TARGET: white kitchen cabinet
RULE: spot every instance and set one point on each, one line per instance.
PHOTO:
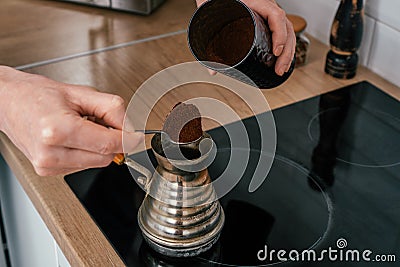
(29, 241)
(3, 262)
(61, 259)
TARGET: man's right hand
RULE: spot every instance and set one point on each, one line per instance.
(45, 119)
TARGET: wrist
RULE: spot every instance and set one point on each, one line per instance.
(6, 74)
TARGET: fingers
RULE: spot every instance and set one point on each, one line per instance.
(212, 72)
(58, 154)
(53, 172)
(66, 158)
(51, 131)
(285, 59)
(68, 142)
(276, 18)
(200, 2)
(107, 108)
(283, 37)
(78, 133)
(60, 160)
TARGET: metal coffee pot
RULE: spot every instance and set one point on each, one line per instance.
(180, 215)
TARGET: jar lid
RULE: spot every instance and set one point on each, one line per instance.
(299, 23)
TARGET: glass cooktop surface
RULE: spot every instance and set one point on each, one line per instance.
(331, 198)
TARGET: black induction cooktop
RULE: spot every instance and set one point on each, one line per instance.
(331, 198)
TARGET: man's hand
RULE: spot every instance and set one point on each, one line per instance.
(45, 119)
(283, 36)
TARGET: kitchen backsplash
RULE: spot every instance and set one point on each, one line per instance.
(381, 40)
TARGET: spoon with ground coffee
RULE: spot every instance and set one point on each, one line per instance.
(182, 127)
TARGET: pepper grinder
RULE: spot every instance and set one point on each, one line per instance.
(345, 39)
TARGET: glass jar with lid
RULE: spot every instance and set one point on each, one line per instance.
(302, 42)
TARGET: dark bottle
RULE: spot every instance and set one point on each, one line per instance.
(345, 39)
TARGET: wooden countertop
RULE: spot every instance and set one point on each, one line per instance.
(122, 71)
(39, 30)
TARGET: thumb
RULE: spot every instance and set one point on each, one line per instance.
(108, 109)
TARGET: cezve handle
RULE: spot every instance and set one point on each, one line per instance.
(122, 159)
(119, 158)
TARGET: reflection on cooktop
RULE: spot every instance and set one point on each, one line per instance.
(336, 175)
(339, 123)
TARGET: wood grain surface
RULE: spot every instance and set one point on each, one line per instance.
(123, 71)
(37, 30)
